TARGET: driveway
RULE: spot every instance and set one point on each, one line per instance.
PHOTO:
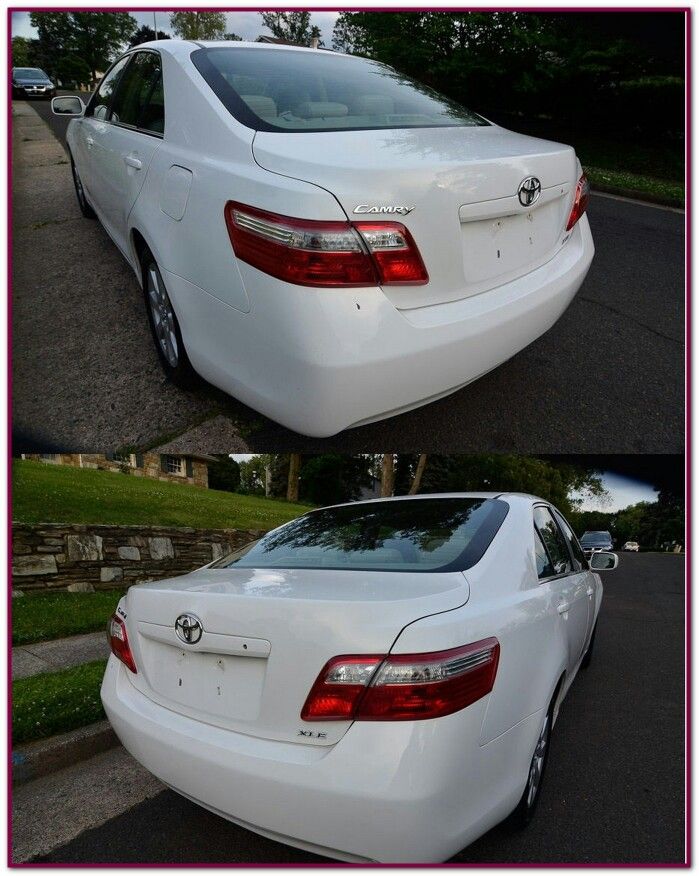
(614, 788)
(607, 378)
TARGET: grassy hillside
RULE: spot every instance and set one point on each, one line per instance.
(60, 494)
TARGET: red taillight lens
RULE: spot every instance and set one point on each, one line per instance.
(119, 642)
(580, 202)
(403, 687)
(312, 253)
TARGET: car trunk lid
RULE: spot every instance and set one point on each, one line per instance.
(266, 635)
(460, 186)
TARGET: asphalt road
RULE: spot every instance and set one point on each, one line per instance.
(607, 378)
(614, 787)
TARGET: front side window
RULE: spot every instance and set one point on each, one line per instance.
(417, 535)
(573, 543)
(280, 90)
(99, 105)
(553, 541)
(139, 100)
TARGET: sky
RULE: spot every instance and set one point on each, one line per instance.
(247, 25)
(622, 491)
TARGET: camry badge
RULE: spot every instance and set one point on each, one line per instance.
(188, 628)
(387, 208)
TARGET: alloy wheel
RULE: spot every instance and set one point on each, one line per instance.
(536, 770)
(163, 316)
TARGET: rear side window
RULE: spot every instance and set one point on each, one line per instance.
(283, 90)
(99, 106)
(553, 541)
(544, 569)
(139, 102)
(417, 535)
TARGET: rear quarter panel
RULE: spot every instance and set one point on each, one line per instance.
(508, 602)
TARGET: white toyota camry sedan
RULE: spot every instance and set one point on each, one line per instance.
(319, 236)
(372, 682)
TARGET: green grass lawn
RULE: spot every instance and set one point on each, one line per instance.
(61, 494)
(633, 185)
(56, 702)
(38, 617)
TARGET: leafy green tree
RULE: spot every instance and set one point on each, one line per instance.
(199, 25)
(232, 37)
(95, 37)
(146, 34)
(71, 69)
(20, 52)
(331, 478)
(292, 26)
(224, 474)
(252, 476)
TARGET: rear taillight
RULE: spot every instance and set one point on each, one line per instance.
(308, 252)
(402, 687)
(119, 642)
(580, 202)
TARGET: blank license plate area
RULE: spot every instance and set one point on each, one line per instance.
(503, 245)
(221, 685)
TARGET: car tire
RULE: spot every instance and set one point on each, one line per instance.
(525, 809)
(164, 325)
(85, 208)
(587, 659)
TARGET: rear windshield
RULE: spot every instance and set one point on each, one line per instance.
(275, 90)
(420, 535)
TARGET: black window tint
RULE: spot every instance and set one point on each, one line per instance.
(99, 107)
(554, 541)
(544, 569)
(573, 543)
(139, 100)
(419, 535)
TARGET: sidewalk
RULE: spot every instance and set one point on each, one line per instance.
(58, 654)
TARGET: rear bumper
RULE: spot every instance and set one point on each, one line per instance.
(402, 792)
(320, 361)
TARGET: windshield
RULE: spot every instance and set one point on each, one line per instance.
(29, 73)
(596, 536)
(418, 535)
(276, 90)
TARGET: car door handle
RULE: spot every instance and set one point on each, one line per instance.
(590, 591)
(133, 162)
(563, 607)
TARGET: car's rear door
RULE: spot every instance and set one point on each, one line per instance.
(132, 135)
(567, 580)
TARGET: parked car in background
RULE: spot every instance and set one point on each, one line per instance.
(31, 82)
(320, 236)
(596, 541)
(371, 682)
(631, 546)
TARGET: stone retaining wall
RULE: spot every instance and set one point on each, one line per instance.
(55, 556)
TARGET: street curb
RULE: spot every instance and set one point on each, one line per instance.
(642, 197)
(49, 755)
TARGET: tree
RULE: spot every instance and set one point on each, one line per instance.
(419, 471)
(72, 69)
(232, 37)
(199, 25)
(316, 34)
(332, 478)
(94, 37)
(292, 490)
(224, 474)
(292, 26)
(387, 475)
(146, 34)
(20, 52)
(252, 476)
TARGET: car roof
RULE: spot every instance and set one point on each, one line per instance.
(456, 495)
(182, 47)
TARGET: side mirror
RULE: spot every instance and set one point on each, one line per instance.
(603, 561)
(67, 106)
